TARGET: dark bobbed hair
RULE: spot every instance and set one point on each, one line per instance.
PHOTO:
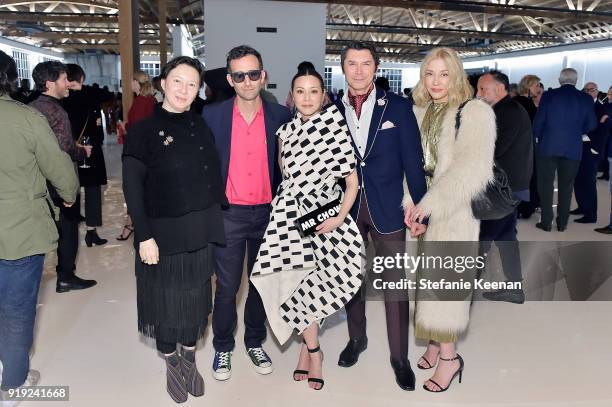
(308, 72)
(305, 65)
(500, 77)
(8, 74)
(47, 71)
(75, 73)
(359, 45)
(240, 52)
(192, 62)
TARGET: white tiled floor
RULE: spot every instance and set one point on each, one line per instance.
(537, 354)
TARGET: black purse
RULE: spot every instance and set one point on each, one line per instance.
(497, 200)
(307, 224)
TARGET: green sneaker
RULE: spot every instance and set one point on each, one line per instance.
(261, 361)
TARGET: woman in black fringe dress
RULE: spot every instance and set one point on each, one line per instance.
(173, 189)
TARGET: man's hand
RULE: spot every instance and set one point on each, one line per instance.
(68, 204)
(149, 252)
(603, 119)
(407, 212)
(99, 122)
(416, 214)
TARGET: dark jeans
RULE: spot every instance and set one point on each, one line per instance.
(67, 246)
(93, 206)
(396, 310)
(244, 230)
(585, 185)
(566, 171)
(503, 233)
(19, 283)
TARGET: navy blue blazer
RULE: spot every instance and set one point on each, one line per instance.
(564, 115)
(218, 116)
(390, 155)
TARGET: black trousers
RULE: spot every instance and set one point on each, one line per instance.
(67, 245)
(566, 171)
(244, 230)
(585, 185)
(167, 348)
(93, 206)
(527, 208)
(396, 310)
(503, 233)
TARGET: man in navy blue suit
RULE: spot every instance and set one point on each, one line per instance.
(593, 148)
(387, 143)
(564, 116)
(244, 128)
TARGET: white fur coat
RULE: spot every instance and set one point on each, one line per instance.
(463, 169)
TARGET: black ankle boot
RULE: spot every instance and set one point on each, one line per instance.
(92, 238)
(193, 379)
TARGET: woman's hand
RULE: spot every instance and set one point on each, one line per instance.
(329, 225)
(149, 252)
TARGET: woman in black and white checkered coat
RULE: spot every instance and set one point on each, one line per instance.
(304, 279)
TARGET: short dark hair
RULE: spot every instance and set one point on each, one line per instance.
(74, 72)
(500, 77)
(47, 71)
(359, 45)
(305, 72)
(192, 62)
(382, 83)
(8, 74)
(240, 52)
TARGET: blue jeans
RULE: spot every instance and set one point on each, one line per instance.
(19, 284)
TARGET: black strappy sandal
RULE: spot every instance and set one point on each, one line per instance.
(123, 238)
(459, 373)
(300, 371)
(314, 379)
(429, 364)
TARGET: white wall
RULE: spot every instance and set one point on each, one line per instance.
(35, 54)
(300, 35)
(102, 69)
(181, 46)
(593, 61)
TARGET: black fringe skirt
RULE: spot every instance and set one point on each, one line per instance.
(174, 297)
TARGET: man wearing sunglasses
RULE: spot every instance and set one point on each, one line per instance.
(244, 128)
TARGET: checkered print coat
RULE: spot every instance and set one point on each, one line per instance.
(302, 280)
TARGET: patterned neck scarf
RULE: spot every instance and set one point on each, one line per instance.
(357, 101)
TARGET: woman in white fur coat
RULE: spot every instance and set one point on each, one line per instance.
(458, 170)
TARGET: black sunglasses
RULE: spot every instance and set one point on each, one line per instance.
(253, 75)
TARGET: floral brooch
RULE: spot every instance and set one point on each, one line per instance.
(167, 139)
(381, 102)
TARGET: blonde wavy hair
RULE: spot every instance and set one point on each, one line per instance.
(459, 89)
(146, 86)
(527, 82)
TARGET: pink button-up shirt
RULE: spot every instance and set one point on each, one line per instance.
(248, 179)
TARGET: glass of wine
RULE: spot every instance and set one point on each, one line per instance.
(85, 143)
